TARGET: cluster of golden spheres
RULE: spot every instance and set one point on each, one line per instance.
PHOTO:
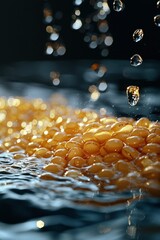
(121, 152)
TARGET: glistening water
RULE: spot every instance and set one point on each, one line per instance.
(66, 208)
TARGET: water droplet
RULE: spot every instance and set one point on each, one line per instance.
(136, 60)
(118, 5)
(138, 35)
(158, 4)
(157, 20)
(133, 95)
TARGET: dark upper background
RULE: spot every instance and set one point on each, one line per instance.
(23, 32)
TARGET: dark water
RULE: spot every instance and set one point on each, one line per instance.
(70, 209)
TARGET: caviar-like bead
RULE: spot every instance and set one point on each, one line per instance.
(91, 147)
(143, 122)
(118, 126)
(105, 173)
(73, 173)
(135, 141)
(151, 172)
(151, 148)
(123, 166)
(77, 161)
(113, 145)
(96, 167)
(153, 138)
(53, 168)
(140, 131)
(18, 156)
(61, 152)
(71, 127)
(112, 157)
(71, 144)
(59, 160)
(121, 136)
(89, 136)
(130, 153)
(60, 136)
(102, 136)
(94, 159)
(42, 152)
(47, 176)
(123, 183)
(74, 152)
(15, 149)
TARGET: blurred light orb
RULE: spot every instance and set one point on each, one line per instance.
(102, 87)
(61, 50)
(49, 50)
(77, 24)
(108, 41)
(78, 2)
(54, 36)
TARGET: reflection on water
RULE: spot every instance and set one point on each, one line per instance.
(66, 208)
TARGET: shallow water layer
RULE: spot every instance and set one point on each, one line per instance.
(65, 208)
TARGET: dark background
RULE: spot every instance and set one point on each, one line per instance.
(23, 35)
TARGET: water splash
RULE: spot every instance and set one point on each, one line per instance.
(133, 95)
(138, 35)
(136, 60)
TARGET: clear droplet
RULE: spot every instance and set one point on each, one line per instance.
(138, 35)
(136, 60)
(157, 20)
(133, 95)
(158, 4)
(118, 5)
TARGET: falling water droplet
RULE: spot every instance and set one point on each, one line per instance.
(133, 95)
(138, 35)
(118, 5)
(158, 4)
(157, 20)
(136, 60)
